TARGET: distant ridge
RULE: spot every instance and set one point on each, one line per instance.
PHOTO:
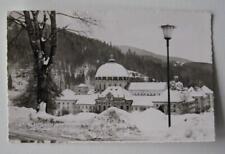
(142, 52)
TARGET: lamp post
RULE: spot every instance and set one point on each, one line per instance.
(167, 32)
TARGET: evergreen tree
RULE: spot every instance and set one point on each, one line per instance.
(10, 85)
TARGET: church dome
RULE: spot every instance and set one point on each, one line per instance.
(111, 69)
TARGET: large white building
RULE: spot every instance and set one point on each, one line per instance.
(113, 88)
(147, 88)
(111, 74)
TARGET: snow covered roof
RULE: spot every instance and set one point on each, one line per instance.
(143, 100)
(86, 99)
(175, 96)
(111, 69)
(116, 91)
(196, 92)
(82, 85)
(147, 86)
(207, 90)
(67, 94)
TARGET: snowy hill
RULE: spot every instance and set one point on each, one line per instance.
(78, 57)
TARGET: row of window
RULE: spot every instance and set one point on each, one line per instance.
(141, 108)
(146, 94)
(111, 78)
(103, 86)
(104, 107)
(80, 107)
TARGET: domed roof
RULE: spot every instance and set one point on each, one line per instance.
(111, 69)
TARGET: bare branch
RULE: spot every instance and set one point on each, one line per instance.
(43, 23)
(20, 14)
(31, 32)
(17, 21)
(53, 37)
(86, 20)
(80, 32)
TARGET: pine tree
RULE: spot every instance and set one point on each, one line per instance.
(10, 85)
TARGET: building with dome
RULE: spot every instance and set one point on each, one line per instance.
(114, 87)
(111, 74)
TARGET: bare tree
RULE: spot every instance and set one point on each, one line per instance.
(42, 31)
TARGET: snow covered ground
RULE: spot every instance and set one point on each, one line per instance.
(111, 125)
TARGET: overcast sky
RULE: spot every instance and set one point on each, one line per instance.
(140, 27)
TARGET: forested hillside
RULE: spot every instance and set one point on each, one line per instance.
(78, 57)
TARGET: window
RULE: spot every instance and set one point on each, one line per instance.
(121, 107)
(127, 108)
(103, 107)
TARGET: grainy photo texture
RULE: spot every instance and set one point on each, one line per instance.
(110, 74)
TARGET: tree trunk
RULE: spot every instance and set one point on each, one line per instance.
(43, 58)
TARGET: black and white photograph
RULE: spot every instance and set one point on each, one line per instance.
(110, 74)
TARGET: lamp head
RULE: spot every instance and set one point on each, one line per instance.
(167, 31)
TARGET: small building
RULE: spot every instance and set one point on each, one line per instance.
(81, 89)
(210, 97)
(114, 96)
(201, 99)
(179, 102)
(65, 104)
(141, 103)
(147, 88)
(136, 76)
(86, 103)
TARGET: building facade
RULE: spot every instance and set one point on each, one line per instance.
(180, 102)
(114, 96)
(147, 88)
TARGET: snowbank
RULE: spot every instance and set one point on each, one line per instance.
(192, 127)
(150, 120)
(112, 124)
(20, 115)
(83, 116)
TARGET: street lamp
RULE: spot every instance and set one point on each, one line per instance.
(167, 32)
